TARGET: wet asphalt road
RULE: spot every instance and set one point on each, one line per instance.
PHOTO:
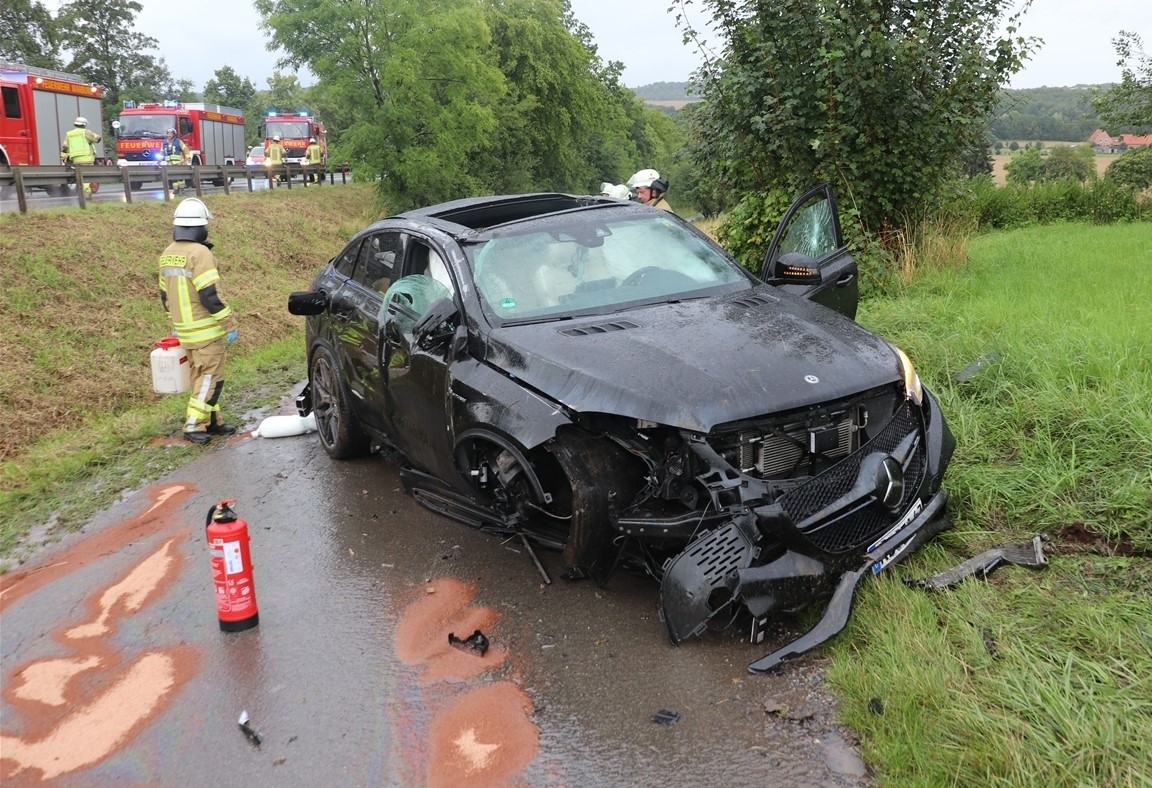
(114, 669)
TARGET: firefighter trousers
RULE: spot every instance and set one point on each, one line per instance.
(206, 369)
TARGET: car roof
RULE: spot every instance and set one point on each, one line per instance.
(473, 215)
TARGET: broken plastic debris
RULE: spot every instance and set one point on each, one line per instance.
(285, 426)
(252, 735)
(1030, 553)
(477, 643)
(976, 366)
(665, 717)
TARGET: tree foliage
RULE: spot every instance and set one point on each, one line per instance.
(1061, 162)
(105, 49)
(28, 34)
(1128, 106)
(1133, 168)
(882, 98)
(1064, 114)
(229, 88)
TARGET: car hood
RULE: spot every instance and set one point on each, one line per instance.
(697, 364)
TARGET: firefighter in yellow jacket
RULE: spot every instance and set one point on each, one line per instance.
(202, 322)
(314, 161)
(79, 147)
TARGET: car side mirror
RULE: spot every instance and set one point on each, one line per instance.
(434, 326)
(308, 302)
(794, 268)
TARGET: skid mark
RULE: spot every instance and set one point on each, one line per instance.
(44, 682)
(107, 541)
(93, 731)
(485, 735)
(133, 591)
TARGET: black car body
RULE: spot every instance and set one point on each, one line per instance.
(602, 378)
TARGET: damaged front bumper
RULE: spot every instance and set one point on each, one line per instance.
(866, 513)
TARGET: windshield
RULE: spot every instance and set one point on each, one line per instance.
(257, 152)
(592, 262)
(146, 125)
(288, 130)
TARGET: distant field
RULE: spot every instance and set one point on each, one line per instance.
(674, 104)
(998, 162)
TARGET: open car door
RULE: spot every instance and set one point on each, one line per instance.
(808, 257)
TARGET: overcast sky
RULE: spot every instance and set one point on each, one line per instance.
(197, 38)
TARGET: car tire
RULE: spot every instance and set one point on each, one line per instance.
(339, 429)
(599, 474)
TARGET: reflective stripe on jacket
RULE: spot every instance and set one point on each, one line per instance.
(313, 154)
(186, 268)
(173, 151)
(275, 153)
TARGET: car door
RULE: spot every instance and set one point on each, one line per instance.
(356, 312)
(808, 257)
(416, 375)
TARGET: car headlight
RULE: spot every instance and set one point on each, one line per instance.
(912, 386)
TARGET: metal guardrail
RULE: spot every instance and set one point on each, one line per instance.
(58, 181)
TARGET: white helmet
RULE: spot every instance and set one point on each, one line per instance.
(311, 139)
(276, 138)
(80, 122)
(643, 178)
(619, 192)
(191, 213)
(605, 189)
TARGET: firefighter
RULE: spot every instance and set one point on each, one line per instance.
(314, 158)
(78, 147)
(174, 152)
(650, 188)
(201, 321)
(274, 155)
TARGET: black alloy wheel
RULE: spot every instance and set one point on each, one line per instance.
(337, 425)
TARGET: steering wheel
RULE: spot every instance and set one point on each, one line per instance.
(634, 278)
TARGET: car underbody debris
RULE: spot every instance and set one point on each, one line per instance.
(476, 643)
(1030, 553)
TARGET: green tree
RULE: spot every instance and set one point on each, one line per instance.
(104, 48)
(28, 34)
(1133, 168)
(1129, 104)
(1065, 162)
(1026, 168)
(882, 98)
(229, 88)
(413, 81)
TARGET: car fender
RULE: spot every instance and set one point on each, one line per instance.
(485, 398)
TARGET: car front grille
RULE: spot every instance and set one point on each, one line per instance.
(855, 527)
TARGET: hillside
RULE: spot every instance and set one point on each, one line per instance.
(83, 313)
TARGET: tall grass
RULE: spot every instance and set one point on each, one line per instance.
(1031, 677)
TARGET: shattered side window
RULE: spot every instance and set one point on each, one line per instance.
(409, 298)
(812, 230)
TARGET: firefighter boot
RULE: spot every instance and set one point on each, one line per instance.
(199, 438)
(218, 428)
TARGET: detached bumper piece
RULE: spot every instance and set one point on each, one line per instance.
(1030, 554)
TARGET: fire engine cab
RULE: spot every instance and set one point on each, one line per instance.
(213, 134)
(294, 132)
(38, 107)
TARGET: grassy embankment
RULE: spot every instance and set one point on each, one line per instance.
(81, 311)
(1031, 677)
(1028, 678)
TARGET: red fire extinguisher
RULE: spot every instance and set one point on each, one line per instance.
(231, 568)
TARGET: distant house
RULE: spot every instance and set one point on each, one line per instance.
(1103, 142)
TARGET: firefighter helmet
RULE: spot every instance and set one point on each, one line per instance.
(191, 212)
(80, 122)
(276, 138)
(311, 139)
(642, 179)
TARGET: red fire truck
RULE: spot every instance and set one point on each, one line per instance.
(294, 131)
(214, 134)
(38, 108)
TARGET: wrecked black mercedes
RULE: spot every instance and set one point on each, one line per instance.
(599, 377)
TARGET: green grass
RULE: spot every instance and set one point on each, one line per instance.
(1032, 677)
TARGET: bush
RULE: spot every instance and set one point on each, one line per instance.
(1133, 168)
(1016, 205)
